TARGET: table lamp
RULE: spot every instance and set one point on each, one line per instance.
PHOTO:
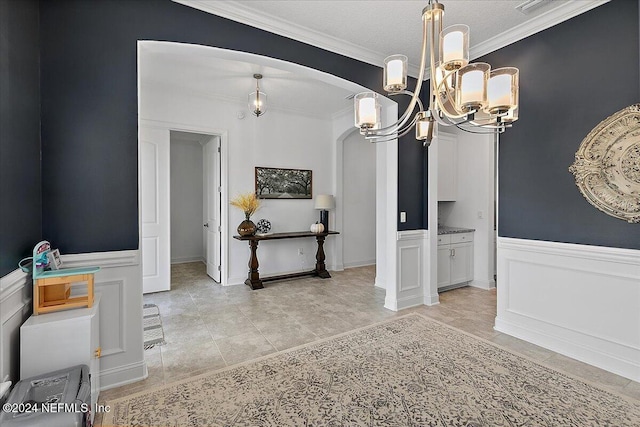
(324, 202)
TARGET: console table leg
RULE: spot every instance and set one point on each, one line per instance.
(253, 278)
(321, 269)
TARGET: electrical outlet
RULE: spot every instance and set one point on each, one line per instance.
(480, 214)
(403, 217)
(300, 251)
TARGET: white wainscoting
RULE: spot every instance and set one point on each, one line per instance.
(119, 281)
(412, 259)
(578, 300)
(15, 308)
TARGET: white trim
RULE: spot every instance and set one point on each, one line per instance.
(483, 284)
(358, 264)
(12, 283)
(586, 252)
(111, 259)
(245, 15)
(186, 260)
(123, 375)
(563, 11)
(224, 160)
(549, 293)
(412, 235)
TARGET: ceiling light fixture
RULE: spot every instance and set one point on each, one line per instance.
(468, 96)
(258, 99)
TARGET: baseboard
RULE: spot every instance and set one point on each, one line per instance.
(431, 299)
(123, 375)
(572, 344)
(483, 284)
(355, 264)
(187, 260)
(402, 303)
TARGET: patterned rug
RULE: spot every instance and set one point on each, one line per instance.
(410, 371)
(152, 326)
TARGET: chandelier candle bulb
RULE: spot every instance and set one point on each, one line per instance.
(454, 47)
(366, 110)
(395, 73)
(473, 86)
(502, 90)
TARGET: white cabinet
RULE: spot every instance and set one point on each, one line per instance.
(60, 340)
(447, 168)
(455, 259)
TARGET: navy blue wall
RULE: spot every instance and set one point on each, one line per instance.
(89, 106)
(572, 76)
(20, 207)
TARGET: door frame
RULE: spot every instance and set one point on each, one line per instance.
(224, 210)
(214, 143)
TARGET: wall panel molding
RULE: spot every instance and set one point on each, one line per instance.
(15, 308)
(120, 283)
(577, 300)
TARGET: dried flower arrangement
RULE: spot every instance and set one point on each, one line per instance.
(247, 202)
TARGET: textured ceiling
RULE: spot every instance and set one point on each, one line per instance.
(372, 30)
(365, 30)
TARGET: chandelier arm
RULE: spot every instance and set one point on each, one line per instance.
(423, 62)
(395, 128)
(432, 54)
(392, 136)
(404, 117)
(491, 129)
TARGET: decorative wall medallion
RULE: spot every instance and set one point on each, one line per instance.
(607, 165)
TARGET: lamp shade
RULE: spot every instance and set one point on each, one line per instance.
(324, 202)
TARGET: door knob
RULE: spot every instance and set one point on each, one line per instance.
(206, 224)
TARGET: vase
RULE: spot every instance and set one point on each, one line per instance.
(247, 228)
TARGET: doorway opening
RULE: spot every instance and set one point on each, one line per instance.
(196, 200)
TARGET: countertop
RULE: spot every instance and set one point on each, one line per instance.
(452, 230)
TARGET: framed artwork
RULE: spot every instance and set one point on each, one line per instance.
(278, 183)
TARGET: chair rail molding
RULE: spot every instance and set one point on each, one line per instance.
(578, 300)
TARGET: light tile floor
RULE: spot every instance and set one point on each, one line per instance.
(208, 326)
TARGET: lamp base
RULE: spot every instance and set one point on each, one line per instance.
(324, 219)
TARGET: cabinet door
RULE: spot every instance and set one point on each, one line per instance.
(444, 266)
(461, 263)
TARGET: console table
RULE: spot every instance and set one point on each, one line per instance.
(253, 278)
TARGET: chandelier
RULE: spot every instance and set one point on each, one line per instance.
(258, 99)
(471, 97)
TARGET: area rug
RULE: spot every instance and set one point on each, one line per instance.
(152, 326)
(410, 371)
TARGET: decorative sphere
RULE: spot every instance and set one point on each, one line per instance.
(263, 226)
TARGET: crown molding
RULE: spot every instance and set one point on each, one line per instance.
(564, 11)
(239, 13)
(244, 15)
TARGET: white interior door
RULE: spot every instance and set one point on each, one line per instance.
(154, 209)
(212, 195)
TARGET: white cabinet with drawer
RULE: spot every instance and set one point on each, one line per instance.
(455, 259)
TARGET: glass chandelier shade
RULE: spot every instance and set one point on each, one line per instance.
(468, 96)
(368, 110)
(258, 99)
(395, 73)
